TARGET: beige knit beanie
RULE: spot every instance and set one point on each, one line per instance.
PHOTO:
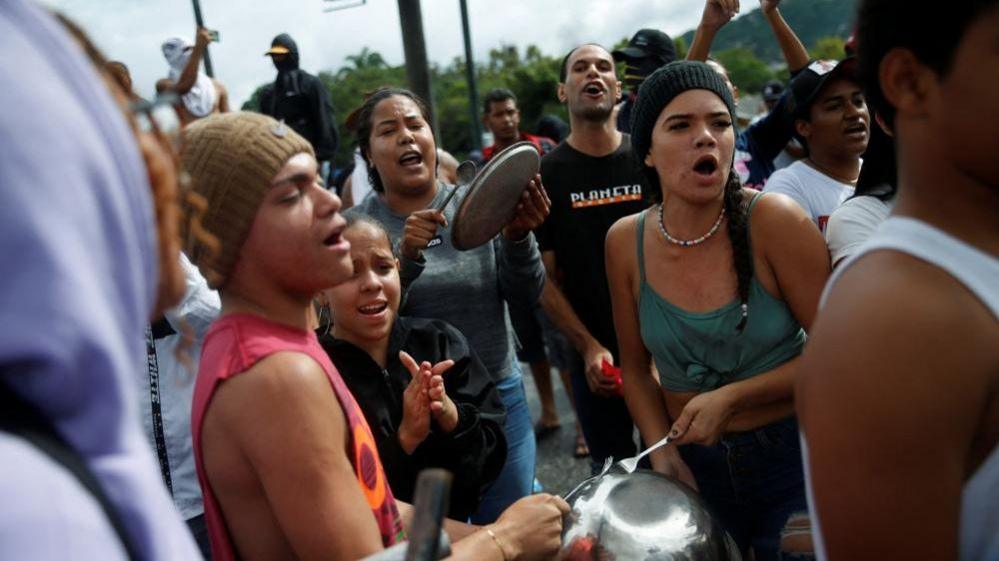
(231, 159)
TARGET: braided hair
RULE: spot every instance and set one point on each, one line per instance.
(738, 236)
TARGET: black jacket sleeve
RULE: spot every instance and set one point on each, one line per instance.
(322, 109)
(476, 450)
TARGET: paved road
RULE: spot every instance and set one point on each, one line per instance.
(557, 470)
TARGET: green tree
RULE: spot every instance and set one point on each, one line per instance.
(253, 104)
(746, 71)
(365, 59)
(830, 47)
(680, 46)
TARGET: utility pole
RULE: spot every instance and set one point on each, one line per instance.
(201, 23)
(473, 88)
(415, 49)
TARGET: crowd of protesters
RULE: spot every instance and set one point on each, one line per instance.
(808, 307)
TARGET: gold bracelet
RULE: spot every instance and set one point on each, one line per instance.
(499, 544)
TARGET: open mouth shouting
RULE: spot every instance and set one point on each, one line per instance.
(335, 239)
(375, 310)
(706, 169)
(411, 159)
(594, 89)
(856, 131)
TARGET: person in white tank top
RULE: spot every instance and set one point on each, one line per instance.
(899, 398)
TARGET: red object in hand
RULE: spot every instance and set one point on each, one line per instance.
(612, 372)
(581, 549)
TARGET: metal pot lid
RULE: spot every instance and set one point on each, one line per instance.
(641, 516)
(493, 196)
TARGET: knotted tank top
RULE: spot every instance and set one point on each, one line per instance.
(702, 351)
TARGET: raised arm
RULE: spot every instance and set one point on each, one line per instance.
(791, 47)
(189, 75)
(716, 14)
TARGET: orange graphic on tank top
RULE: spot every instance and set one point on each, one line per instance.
(370, 474)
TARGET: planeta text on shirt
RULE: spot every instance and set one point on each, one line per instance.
(607, 196)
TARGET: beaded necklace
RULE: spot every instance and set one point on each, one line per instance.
(688, 243)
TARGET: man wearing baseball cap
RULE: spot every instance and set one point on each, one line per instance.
(299, 99)
(832, 122)
(648, 50)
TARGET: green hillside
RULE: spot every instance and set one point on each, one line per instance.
(810, 19)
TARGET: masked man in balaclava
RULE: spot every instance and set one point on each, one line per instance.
(199, 94)
(300, 100)
(646, 52)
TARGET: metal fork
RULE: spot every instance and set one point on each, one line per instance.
(629, 465)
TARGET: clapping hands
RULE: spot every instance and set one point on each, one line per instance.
(423, 400)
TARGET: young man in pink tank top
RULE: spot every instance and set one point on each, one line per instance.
(289, 468)
(900, 397)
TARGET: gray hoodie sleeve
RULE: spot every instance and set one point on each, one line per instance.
(521, 274)
(409, 271)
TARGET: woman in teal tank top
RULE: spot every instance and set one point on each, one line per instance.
(713, 290)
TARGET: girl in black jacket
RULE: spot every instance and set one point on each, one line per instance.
(426, 396)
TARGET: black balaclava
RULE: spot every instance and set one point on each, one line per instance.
(290, 61)
(287, 78)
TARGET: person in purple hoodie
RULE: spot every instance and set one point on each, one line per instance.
(81, 271)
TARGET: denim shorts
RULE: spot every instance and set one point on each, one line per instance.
(753, 482)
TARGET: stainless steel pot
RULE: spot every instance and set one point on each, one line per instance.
(641, 516)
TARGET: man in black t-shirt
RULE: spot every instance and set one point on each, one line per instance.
(592, 181)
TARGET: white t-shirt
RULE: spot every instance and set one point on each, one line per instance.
(165, 393)
(852, 224)
(815, 191)
(360, 186)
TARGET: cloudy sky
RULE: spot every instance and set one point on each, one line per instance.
(132, 30)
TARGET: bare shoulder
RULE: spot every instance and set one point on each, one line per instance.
(282, 385)
(910, 289)
(623, 232)
(902, 321)
(777, 212)
(894, 385)
(619, 246)
(288, 371)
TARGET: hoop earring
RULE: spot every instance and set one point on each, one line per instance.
(324, 310)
